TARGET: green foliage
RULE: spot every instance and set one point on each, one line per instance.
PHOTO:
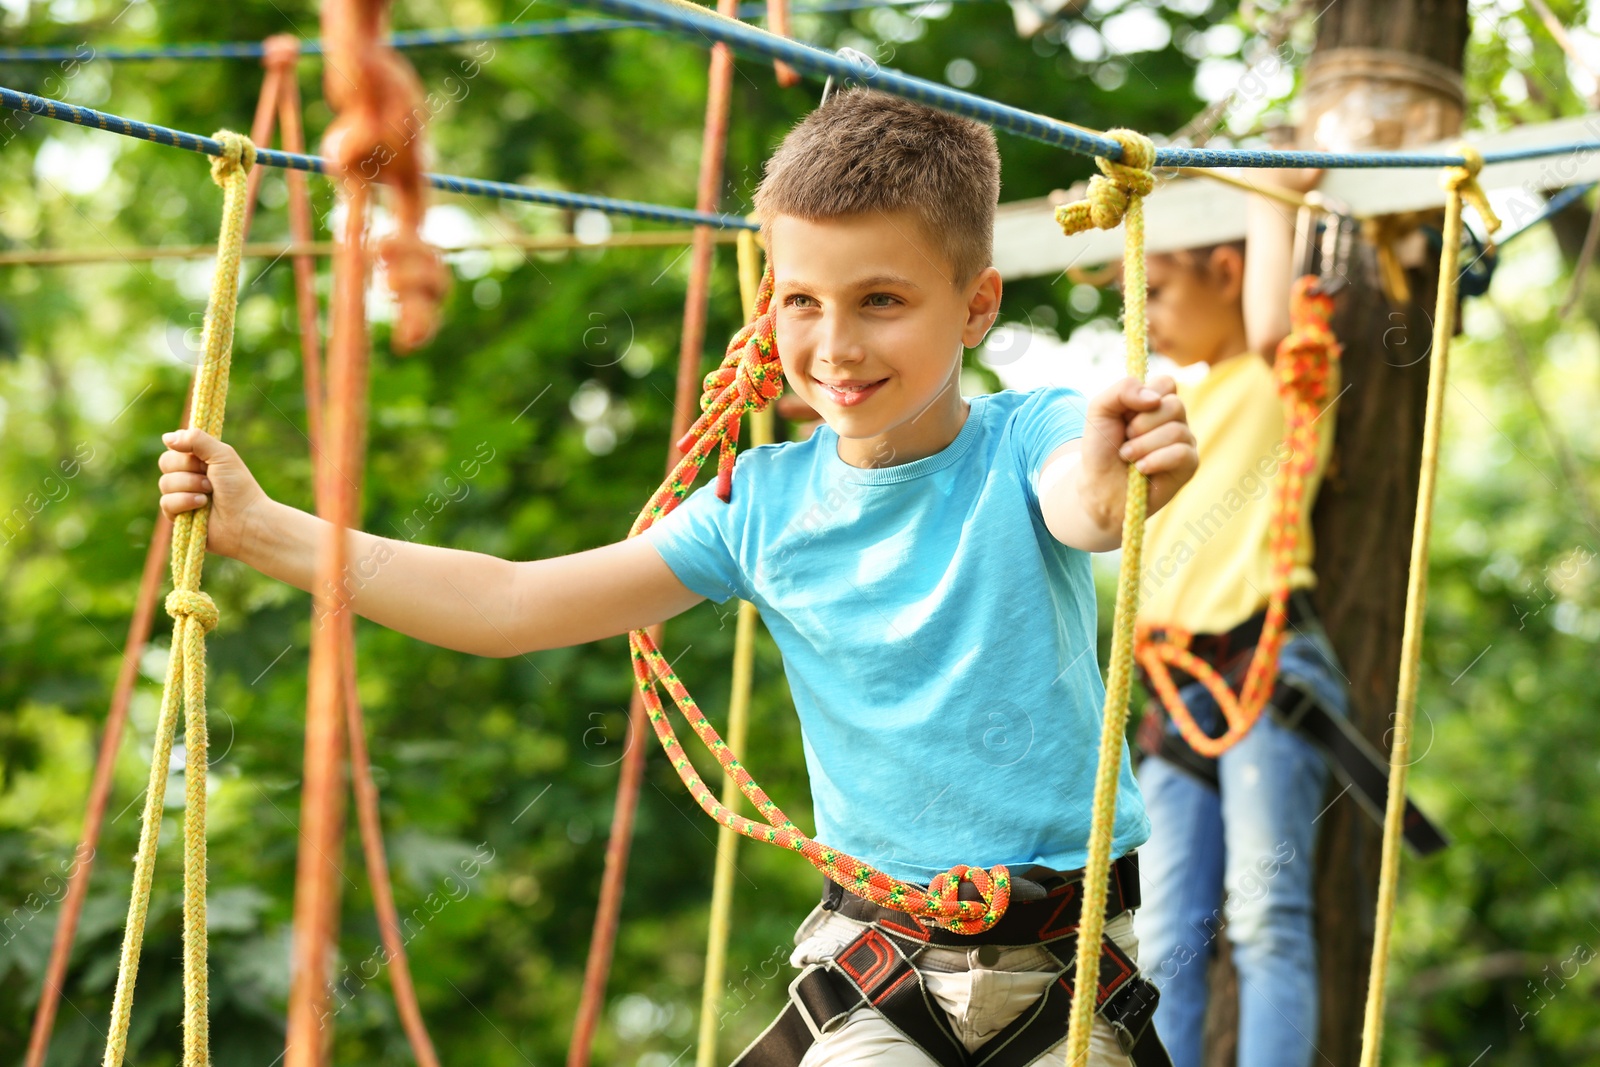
(533, 426)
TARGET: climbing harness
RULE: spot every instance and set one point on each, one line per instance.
(194, 615)
(877, 969)
(1304, 365)
(1294, 705)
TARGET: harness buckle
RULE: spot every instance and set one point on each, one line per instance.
(813, 992)
(1126, 999)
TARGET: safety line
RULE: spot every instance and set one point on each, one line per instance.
(83, 116)
(698, 23)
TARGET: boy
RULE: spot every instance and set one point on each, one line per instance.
(1244, 822)
(921, 561)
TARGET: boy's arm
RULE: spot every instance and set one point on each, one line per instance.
(466, 601)
(1083, 483)
(473, 602)
(1269, 247)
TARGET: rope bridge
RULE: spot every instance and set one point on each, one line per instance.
(750, 378)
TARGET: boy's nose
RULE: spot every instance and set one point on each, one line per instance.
(838, 346)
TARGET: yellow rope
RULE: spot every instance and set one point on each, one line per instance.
(1115, 197)
(1462, 184)
(744, 644)
(1272, 192)
(194, 615)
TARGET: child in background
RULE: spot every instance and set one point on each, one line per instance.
(1233, 835)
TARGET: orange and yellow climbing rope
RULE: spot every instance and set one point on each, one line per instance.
(1304, 362)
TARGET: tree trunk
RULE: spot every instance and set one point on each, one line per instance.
(1361, 558)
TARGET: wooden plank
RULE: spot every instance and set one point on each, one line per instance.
(1189, 212)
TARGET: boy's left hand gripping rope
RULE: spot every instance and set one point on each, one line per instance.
(194, 615)
(749, 378)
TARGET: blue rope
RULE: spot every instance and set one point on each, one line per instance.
(699, 24)
(420, 38)
(1554, 206)
(271, 157)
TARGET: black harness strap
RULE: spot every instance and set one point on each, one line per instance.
(877, 970)
(1126, 1000)
(1354, 759)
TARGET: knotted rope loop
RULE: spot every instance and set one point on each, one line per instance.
(1463, 181)
(994, 890)
(939, 903)
(193, 604)
(280, 50)
(185, 688)
(749, 378)
(238, 156)
(1113, 190)
(1305, 354)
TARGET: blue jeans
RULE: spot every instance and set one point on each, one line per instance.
(1253, 839)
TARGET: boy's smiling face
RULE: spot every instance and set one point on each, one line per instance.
(871, 330)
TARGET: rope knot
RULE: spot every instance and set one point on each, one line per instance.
(1111, 191)
(749, 378)
(994, 890)
(195, 605)
(418, 279)
(1463, 181)
(755, 373)
(238, 156)
(1304, 355)
(280, 50)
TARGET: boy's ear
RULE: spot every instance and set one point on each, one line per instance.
(983, 306)
(1227, 270)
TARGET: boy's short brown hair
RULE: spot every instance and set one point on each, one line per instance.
(865, 150)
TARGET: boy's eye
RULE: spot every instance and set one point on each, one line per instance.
(882, 300)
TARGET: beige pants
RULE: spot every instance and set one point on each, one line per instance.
(978, 999)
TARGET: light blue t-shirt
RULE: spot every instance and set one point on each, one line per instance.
(939, 642)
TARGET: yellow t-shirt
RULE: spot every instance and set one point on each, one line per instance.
(1207, 556)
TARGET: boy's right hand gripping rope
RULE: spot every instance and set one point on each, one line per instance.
(1117, 197)
(1305, 358)
(749, 378)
